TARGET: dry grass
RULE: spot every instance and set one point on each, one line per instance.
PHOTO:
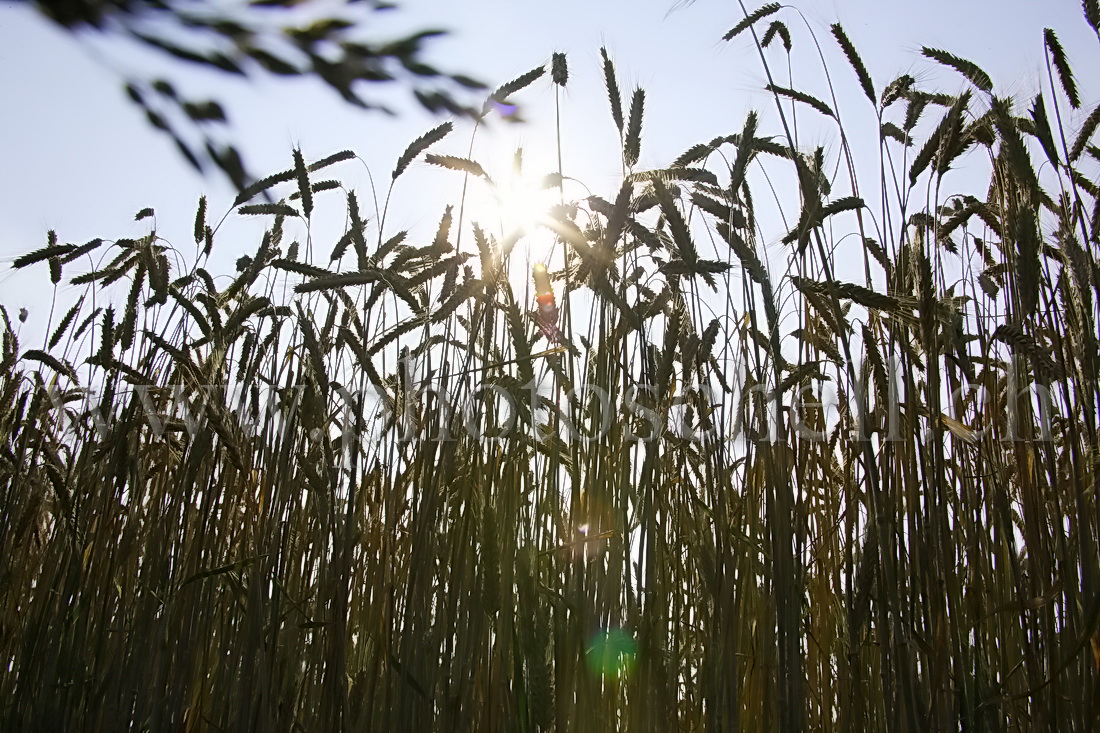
(926, 561)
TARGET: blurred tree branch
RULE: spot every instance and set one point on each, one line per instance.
(285, 38)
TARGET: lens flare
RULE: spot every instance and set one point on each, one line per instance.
(548, 308)
(612, 653)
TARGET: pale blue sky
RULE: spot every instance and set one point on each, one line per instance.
(78, 157)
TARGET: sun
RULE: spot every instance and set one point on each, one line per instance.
(516, 204)
(523, 203)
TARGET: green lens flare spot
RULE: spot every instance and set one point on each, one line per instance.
(612, 653)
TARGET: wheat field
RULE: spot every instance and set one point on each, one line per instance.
(827, 470)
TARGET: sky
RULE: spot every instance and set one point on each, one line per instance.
(79, 158)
